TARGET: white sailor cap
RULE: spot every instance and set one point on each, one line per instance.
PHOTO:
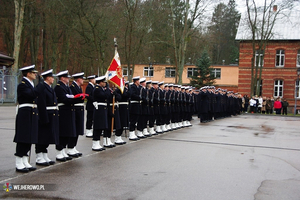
(47, 73)
(142, 80)
(100, 79)
(126, 82)
(149, 82)
(161, 83)
(154, 82)
(166, 85)
(29, 69)
(92, 77)
(78, 75)
(176, 86)
(136, 78)
(63, 74)
(171, 85)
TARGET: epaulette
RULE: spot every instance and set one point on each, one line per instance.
(97, 87)
(58, 84)
(73, 85)
(23, 82)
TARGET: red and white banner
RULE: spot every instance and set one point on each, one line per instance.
(114, 72)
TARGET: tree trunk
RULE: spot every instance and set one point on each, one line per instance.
(19, 17)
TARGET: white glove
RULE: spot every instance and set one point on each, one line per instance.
(70, 96)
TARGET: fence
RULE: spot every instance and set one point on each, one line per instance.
(8, 86)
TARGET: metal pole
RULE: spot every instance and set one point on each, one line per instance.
(296, 90)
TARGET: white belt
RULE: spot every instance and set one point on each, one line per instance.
(60, 104)
(79, 104)
(27, 105)
(135, 101)
(31, 105)
(116, 104)
(52, 108)
(123, 103)
(96, 104)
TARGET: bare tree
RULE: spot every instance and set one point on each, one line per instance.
(19, 17)
(185, 20)
(261, 21)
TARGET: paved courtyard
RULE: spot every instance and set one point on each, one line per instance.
(244, 157)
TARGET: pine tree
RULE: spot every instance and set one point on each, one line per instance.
(203, 74)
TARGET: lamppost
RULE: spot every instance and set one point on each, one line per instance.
(296, 90)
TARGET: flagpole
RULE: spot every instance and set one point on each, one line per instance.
(113, 103)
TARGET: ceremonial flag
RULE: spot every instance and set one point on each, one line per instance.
(114, 72)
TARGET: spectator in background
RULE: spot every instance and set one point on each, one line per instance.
(285, 104)
(260, 101)
(277, 106)
(256, 105)
(252, 105)
(272, 104)
(264, 103)
(246, 105)
(268, 106)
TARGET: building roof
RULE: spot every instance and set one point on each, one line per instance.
(286, 27)
(6, 60)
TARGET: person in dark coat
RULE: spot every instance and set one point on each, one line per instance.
(101, 95)
(163, 107)
(135, 107)
(112, 113)
(26, 132)
(124, 114)
(142, 120)
(67, 127)
(79, 114)
(168, 105)
(172, 106)
(176, 106)
(48, 131)
(156, 106)
(89, 106)
(203, 105)
(151, 116)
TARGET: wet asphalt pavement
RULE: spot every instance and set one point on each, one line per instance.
(244, 157)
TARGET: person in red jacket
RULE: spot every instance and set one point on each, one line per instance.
(277, 106)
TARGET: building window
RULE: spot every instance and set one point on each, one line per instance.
(148, 71)
(298, 58)
(279, 58)
(278, 88)
(170, 72)
(191, 72)
(217, 73)
(259, 58)
(298, 89)
(126, 72)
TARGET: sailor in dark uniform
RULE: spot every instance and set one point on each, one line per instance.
(79, 114)
(48, 131)
(100, 95)
(124, 114)
(89, 106)
(135, 107)
(163, 107)
(67, 127)
(142, 121)
(156, 106)
(176, 107)
(151, 116)
(172, 106)
(112, 114)
(26, 120)
(167, 105)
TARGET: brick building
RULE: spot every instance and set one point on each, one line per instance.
(281, 59)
